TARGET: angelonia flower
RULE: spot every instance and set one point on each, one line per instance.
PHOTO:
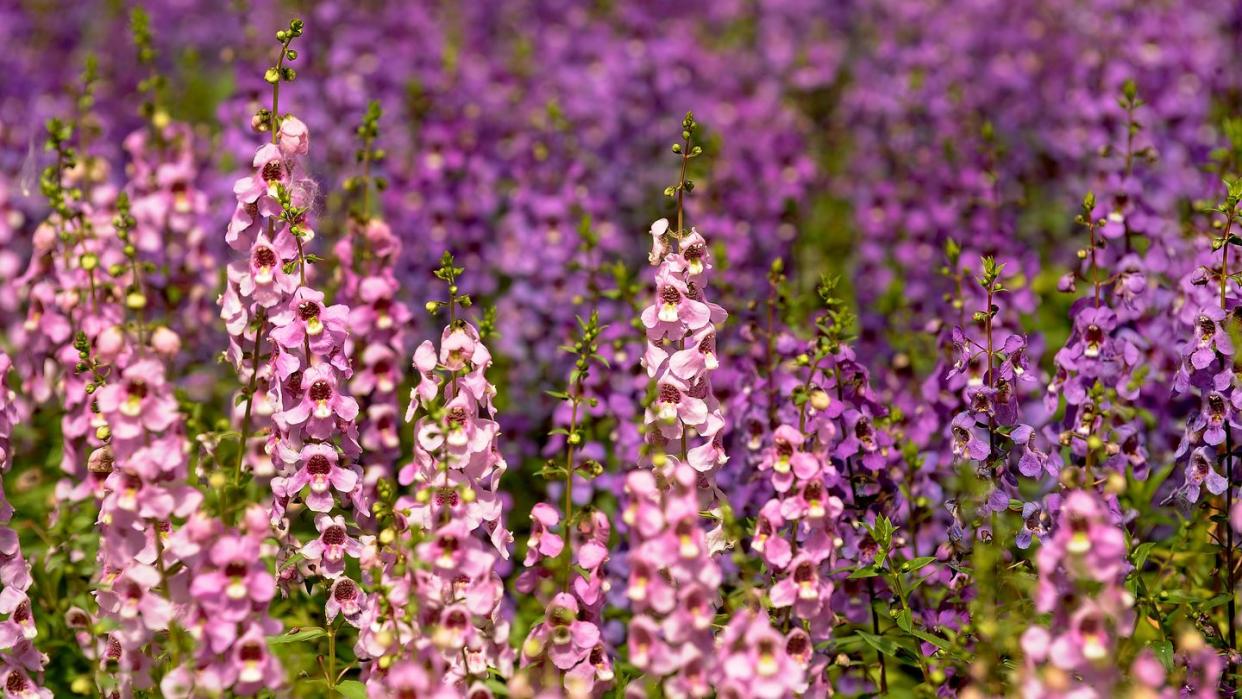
(1205, 369)
(302, 379)
(989, 367)
(379, 316)
(168, 204)
(756, 660)
(74, 292)
(166, 568)
(565, 563)
(914, 498)
(437, 600)
(673, 575)
(21, 663)
(1082, 569)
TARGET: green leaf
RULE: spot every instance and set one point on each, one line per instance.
(883, 645)
(905, 620)
(1141, 553)
(918, 563)
(352, 689)
(930, 638)
(1164, 651)
(865, 572)
(302, 634)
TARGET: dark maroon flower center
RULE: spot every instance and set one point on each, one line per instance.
(457, 415)
(345, 590)
(272, 171)
(804, 573)
(1094, 335)
(784, 448)
(320, 390)
(265, 257)
(446, 497)
(797, 645)
(669, 394)
(863, 431)
(1207, 328)
(448, 544)
(670, 295)
(694, 252)
(814, 492)
(308, 310)
(236, 569)
(137, 389)
(319, 465)
(456, 619)
(251, 653)
(708, 343)
(16, 682)
(334, 535)
(1216, 404)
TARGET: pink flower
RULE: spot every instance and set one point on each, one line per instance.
(307, 319)
(345, 598)
(293, 137)
(139, 402)
(543, 543)
(321, 403)
(674, 309)
(237, 582)
(318, 468)
(132, 596)
(331, 546)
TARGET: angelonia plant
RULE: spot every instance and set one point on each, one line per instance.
(920, 380)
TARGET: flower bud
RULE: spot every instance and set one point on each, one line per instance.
(165, 341)
(109, 343)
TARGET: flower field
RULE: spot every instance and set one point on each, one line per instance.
(796, 348)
